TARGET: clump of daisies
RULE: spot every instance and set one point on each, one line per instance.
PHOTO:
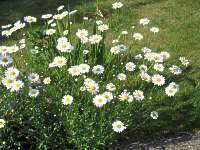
(94, 83)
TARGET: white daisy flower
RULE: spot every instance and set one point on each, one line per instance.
(108, 96)
(144, 21)
(126, 97)
(92, 87)
(154, 115)
(158, 80)
(50, 31)
(139, 56)
(172, 89)
(98, 22)
(154, 30)
(74, 71)
(65, 32)
(124, 32)
(58, 17)
(47, 80)
(4, 50)
(33, 92)
(7, 82)
(175, 70)
(103, 27)
(17, 85)
(110, 87)
(117, 5)
(60, 8)
(98, 69)
(82, 88)
(159, 67)
(118, 126)
(2, 123)
(95, 39)
(30, 19)
(82, 33)
(88, 81)
(99, 100)
(146, 50)
(5, 60)
(64, 46)
(138, 36)
(115, 50)
(59, 61)
(148, 57)
(130, 66)
(184, 61)
(157, 57)
(85, 52)
(12, 73)
(165, 55)
(46, 16)
(84, 68)
(138, 95)
(145, 77)
(33, 77)
(121, 76)
(13, 49)
(67, 100)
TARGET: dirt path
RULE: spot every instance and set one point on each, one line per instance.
(181, 142)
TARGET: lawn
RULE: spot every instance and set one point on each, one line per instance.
(178, 22)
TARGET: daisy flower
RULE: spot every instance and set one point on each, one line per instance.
(7, 82)
(165, 55)
(157, 57)
(5, 60)
(33, 77)
(74, 71)
(115, 50)
(144, 21)
(146, 50)
(154, 115)
(108, 96)
(4, 49)
(2, 123)
(46, 16)
(184, 61)
(145, 77)
(82, 33)
(95, 39)
(50, 31)
(33, 93)
(126, 97)
(99, 100)
(92, 87)
(159, 67)
(65, 32)
(64, 46)
(138, 95)
(118, 126)
(30, 19)
(98, 22)
(158, 80)
(143, 68)
(58, 17)
(138, 36)
(110, 87)
(84, 68)
(117, 5)
(12, 73)
(121, 76)
(47, 80)
(59, 61)
(148, 57)
(172, 89)
(175, 70)
(98, 69)
(154, 30)
(103, 27)
(67, 100)
(130, 66)
(17, 85)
